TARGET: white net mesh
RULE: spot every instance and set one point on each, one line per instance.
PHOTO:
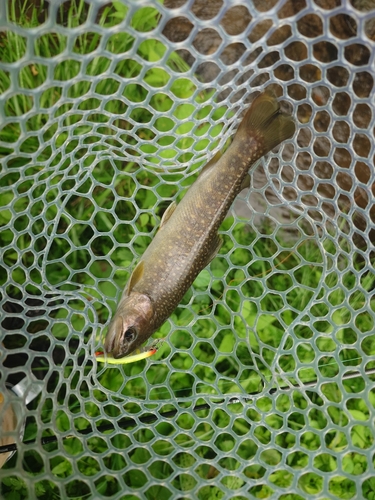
(263, 387)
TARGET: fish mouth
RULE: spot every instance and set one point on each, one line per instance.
(119, 351)
(116, 353)
(123, 348)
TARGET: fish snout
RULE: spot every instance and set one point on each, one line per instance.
(114, 332)
(126, 342)
(121, 337)
(131, 326)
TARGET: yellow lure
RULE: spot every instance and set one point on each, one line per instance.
(139, 354)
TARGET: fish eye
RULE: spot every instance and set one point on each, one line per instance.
(130, 334)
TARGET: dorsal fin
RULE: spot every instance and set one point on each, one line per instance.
(167, 214)
(135, 277)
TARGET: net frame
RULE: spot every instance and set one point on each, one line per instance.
(288, 403)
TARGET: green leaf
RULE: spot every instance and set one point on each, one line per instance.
(203, 280)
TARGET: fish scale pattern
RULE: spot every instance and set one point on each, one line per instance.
(263, 385)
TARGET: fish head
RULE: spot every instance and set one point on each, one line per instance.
(131, 326)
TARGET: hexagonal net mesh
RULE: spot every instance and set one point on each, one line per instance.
(263, 386)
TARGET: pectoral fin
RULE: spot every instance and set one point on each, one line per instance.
(135, 277)
(214, 249)
(211, 163)
(167, 214)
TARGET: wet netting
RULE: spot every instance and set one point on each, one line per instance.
(264, 384)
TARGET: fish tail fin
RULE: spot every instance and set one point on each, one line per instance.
(264, 123)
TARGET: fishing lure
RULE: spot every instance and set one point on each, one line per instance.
(144, 353)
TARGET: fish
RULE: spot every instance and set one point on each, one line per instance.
(188, 239)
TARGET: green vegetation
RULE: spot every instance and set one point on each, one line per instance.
(76, 213)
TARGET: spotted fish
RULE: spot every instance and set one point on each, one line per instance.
(188, 238)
